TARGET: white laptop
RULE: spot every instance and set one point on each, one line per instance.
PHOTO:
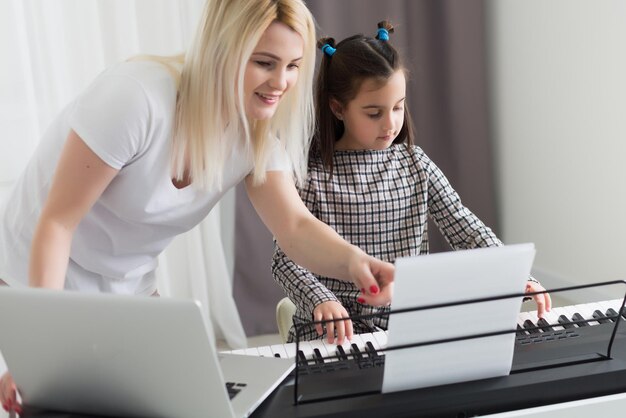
(449, 277)
(125, 356)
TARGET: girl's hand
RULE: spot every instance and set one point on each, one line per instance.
(544, 303)
(333, 310)
(8, 394)
(374, 277)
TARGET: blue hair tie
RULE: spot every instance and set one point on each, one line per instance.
(328, 50)
(383, 34)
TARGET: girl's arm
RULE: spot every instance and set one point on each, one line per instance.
(314, 245)
(311, 297)
(79, 180)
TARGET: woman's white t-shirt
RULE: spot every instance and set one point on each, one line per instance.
(125, 117)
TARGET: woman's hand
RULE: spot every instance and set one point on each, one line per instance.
(333, 310)
(374, 277)
(544, 303)
(8, 394)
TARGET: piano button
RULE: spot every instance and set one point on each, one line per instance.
(563, 320)
(597, 314)
(545, 325)
(530, 327)
(579, 317)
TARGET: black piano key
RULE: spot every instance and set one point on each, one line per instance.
(341, 353)
(579, 317)
(545, 325)
(567, 324)
(612, 312)
(371, 350)
(317, 356)
(356, 352)
(521, 332)
(600, 317)
(529, 325)
(302, 358)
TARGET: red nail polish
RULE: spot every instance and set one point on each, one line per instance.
(360, 300)
(374, 289)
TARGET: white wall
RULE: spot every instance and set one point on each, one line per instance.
(558, 85)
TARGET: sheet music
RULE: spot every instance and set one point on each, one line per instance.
(447, 277)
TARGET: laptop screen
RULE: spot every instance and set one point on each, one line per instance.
(451, 277)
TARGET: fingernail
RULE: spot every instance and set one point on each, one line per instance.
(5, 407)
(374, 289)
(360, 300)
(18, 409)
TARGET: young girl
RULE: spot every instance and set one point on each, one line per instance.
(150, 147)
(369, 182)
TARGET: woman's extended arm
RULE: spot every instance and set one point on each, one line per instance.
(313, 244)
(79, 180)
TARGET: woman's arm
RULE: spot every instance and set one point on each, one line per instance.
(79, 180)
(314, 245)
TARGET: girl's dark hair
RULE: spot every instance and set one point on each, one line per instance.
(340, 76)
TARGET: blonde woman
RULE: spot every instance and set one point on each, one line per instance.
(150, 147)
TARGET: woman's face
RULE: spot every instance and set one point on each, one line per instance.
(272, 70)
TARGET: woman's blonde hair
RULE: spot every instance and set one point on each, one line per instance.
(210, 107)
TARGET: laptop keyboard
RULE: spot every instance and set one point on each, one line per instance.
(234, 388)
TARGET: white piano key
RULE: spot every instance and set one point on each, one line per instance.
(252, 351)
(241, 351)
(522, 317)
(381, 337)
(552, 318)
(307, 349)
(279, 349)
(585, 310)
(370, 337)
(290, 350)
(324, 348)
(265, 351)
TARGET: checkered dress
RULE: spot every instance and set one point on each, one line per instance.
(379, 201)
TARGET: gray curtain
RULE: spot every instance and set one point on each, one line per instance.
(443, 44)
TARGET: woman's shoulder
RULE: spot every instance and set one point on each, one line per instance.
(147, 74)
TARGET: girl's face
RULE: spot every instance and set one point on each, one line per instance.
(373, 119)
(271, 70)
